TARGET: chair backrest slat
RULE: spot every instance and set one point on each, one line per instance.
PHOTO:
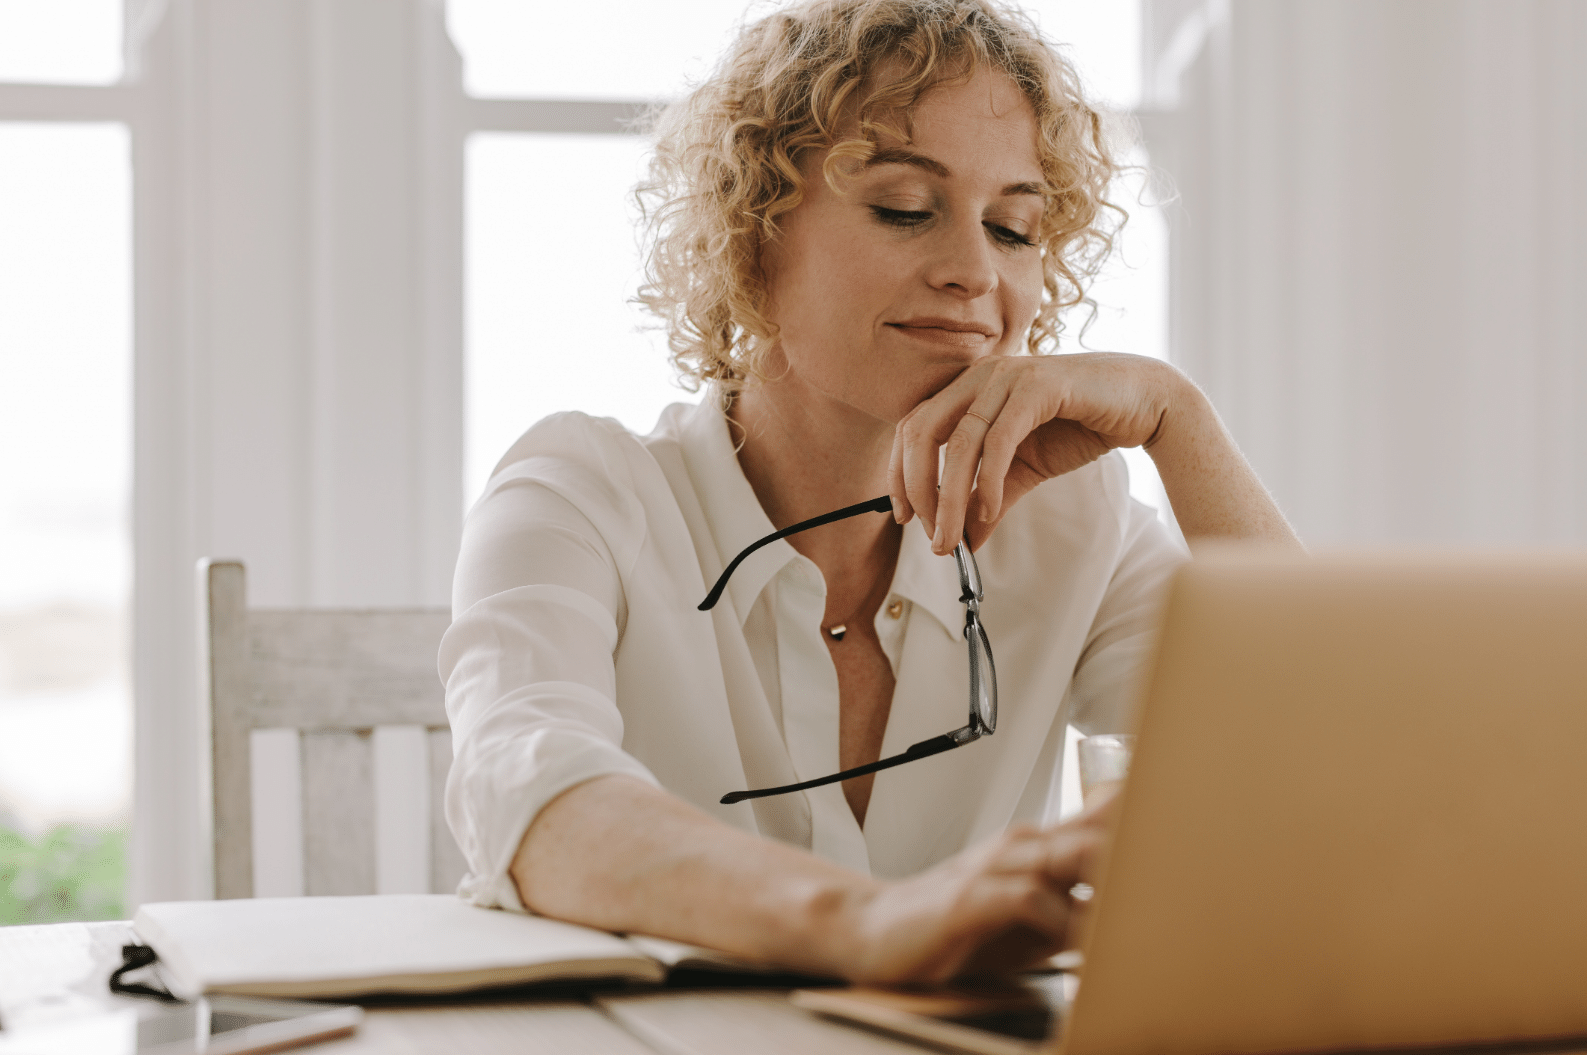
(446, 860)
(346, 669)
(338, 812)
(223, 654)
(334, 676)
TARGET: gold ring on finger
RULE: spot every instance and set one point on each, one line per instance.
(978, 417)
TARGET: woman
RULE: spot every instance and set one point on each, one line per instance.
(861, 224)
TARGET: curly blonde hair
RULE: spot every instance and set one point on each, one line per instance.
(727, 160)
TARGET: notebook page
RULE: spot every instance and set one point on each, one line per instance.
(377, 943)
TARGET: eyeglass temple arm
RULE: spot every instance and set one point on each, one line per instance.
(876, 505)
(936, 745)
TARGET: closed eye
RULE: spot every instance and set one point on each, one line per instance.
(1009, 237)
(900, 217)
(910, 218)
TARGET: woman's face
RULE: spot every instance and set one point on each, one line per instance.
(924, 263)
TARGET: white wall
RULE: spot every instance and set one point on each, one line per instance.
(1378, 263)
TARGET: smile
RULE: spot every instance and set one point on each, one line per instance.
(934, 331)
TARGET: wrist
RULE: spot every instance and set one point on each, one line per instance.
(1212, 489)
(1183, 406)
(827, 932)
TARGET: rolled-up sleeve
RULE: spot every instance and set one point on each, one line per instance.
(528, 670)
(1108, 678)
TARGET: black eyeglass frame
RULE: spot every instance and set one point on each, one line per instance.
(983, 719)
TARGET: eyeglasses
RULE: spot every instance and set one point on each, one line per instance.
(983, 679)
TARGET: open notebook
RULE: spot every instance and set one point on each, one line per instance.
(359, 946)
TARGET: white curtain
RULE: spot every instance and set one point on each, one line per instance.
(1378, 255)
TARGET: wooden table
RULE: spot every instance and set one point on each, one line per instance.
(61, 970)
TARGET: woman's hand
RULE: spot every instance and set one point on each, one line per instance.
(618, 854)
(1007, 423)
(995, 909)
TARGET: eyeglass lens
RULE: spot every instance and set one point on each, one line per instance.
(983, 680)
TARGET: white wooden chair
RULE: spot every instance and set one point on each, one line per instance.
(333, 680)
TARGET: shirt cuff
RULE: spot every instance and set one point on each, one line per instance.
(506, 791)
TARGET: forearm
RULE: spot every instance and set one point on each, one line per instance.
(618, 854)
(1213, 491)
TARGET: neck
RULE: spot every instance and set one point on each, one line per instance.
(806, 454)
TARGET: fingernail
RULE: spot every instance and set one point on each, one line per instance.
(937, 539)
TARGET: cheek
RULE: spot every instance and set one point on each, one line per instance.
(1029, 293)
(806, 286)
(845, 280)
(826, 304)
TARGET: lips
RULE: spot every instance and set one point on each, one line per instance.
(953, 332)
(933, 322)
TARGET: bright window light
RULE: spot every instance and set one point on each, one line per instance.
(623, 49)
(60, 41)
(513, 49)
(1132, 301)
(65, 474)
(1102, 39)
(551, 265)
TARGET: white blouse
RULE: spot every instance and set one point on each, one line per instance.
(576, 649)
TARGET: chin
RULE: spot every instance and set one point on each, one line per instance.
(934, 378)
(890, 393)
(895, 407)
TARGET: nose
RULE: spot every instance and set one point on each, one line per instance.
(963, 263)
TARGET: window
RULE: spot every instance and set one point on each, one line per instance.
(542, 51)
(60, 42)
(551, 265)
(65, 479)
(550, 244)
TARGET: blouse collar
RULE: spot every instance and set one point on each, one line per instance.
(736, 519)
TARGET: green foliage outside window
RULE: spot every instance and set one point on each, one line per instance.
(69, 873)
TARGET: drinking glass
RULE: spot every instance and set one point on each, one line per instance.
(1104, 761)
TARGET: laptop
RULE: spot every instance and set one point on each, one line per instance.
(1354, 821)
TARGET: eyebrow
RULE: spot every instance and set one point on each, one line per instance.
(899, 156)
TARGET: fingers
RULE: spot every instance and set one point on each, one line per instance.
(1016, 484)
(903, 512)
(962, 460)
(957, 420)
(1007, 923)
(998, 449)
(1020, 916)
(964, 463)
(1035, 905)
(1062, 856)
(1050, 414)
(994, 909)
(917, 473)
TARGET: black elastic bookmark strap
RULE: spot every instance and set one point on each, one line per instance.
(135, 958)
(876, 505)
(936, 745)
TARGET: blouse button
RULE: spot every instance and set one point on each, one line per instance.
(895, 609)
